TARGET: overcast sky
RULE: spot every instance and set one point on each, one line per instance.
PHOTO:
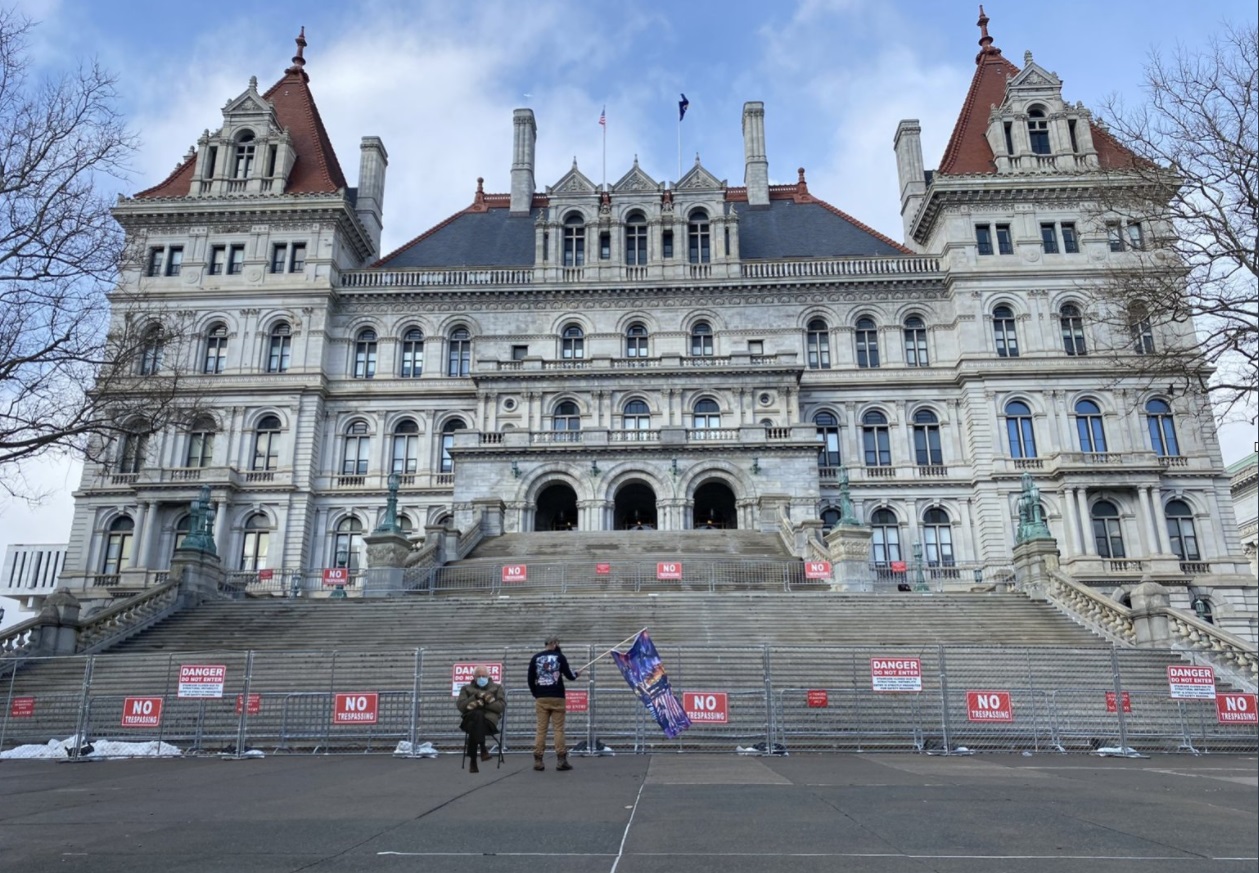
(438, 81)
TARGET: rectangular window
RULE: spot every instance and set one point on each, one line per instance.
(1005, 243)
(236, 260)
(271, 156)
(983, 238)
(174, 260)
(666, 244)
(1135, 241)
(1009, 138)
(519, 353)
(298, 263)
(605, 246)
(155, 263)
(1075, 144)
(1049, 239)
(211, 158)
(756, 347)
(1070, 242)
(279, 257)
(218, 254)
(1114, 236)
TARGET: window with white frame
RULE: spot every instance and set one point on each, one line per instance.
(818, 345)
(566, 421)
(867, 336)
(828, 432)
(356, 449)
(927, 449)
(411, 365)
(636, 239)
(266, 444)
(1004, 333)
(118, 545)
(636, 341)
(1088, 426)
(1019, 430)
(200, 444)
(215, 348)
(1107, 531)
(447, 463)
(406, 447)
(916, 342)
(702, 340)
(885, 540)
(459, 352)
(280, 348)
(875, 439)
(1072, 324)
(937, 538)
(572, 343)
(255, 543)
(1162, 427)
(1181, 532)
(636, 416)
(698, 246)
(365, 354)
(574, 241)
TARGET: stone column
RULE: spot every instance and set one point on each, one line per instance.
(1150, 534)
(1086, 526)
(1071, 520)
(137, 545)
(1149, 600)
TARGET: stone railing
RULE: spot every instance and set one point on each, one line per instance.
(1095, 611)
(19, 642)
(469, 539)
(1229, 655)
(128, 618)
(825, 267)
(429, 278)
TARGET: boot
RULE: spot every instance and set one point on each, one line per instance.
(472, 767)
(537, 763)
(563, 764)
(485, 756)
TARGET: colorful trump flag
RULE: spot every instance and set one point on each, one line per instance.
(643, 671)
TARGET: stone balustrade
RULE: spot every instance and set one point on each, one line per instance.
(1096, 611)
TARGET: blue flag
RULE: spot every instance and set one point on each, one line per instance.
(643, 671)
(683, 104)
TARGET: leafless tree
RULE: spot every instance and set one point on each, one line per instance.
(71, 378)
(1192, 192)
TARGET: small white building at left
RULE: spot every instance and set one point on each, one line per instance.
(30, 574)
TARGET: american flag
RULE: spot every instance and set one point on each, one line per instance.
(603, 117)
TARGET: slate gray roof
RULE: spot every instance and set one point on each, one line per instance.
(471, 239)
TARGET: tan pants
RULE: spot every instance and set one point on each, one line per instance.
(550, 711)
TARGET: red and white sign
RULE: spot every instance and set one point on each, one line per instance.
(266, 575)
(462, 674)
(515, 573)
(815, 698)
(989, 706)
(336, 576)
(22, 707)
(706, 707)
(142, 712)
(817, 569)
(1110, 702)
(201, 680)
(669, 570)
(898, 566)
(354, 708)
(1234, 708)
(603, 569)
(577, 701)
(255, 703)
(1191, 683)
(896, 674)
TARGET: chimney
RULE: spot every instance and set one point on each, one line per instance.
(913, 183)
(522, 185)
(370, 205)
(756, 170)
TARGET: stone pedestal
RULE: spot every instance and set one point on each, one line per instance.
(849, 546)
(60, 616)
(1149, 621)
(199, 574)
(490, 511)
(1035, 562)
(386, 556)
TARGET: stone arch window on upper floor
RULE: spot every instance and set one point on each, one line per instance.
(818, 344)
(243, 162)
(1107, 531)
(406, 447)
(1089, 427)
(356, 449)
(280, 348)
(636, 239)
(215, 348)
(698, 237)
(876, 440)
(885, 539)
(828, 432)
(573, 343)
(636, 416)
(151, 347)
(867, 337)
(200, 451)
(636, 341)
(1181, 532)
(365, 354)
(574, 240)
(255, 543)
(1141, 329)
(705, 415)
(1004, 332)
(702, 340)
(135, 444)
(927, 449)
(1072, 324)
(447, 462)
(411, 364)
(916, 342)
(118, 545)
(1038, 131)
(566, 421)
(937, 538)
(266, 444)
(1020, 433)
(459, 358)
(1162, 427)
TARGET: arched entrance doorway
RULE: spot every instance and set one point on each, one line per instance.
(714, 506)
(635, 507)
(557, 508)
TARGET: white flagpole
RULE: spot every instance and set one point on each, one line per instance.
(679, 145)
(609, 651)
(604, 116)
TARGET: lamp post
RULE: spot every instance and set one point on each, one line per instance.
(920, 578)
(343, 560)
(978, 575)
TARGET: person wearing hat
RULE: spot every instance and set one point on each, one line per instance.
(547, 671)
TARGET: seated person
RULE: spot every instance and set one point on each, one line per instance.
(482, 702)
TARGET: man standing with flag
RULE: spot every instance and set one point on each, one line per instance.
(547, 671)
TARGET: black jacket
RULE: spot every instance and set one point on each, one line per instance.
(547, 671)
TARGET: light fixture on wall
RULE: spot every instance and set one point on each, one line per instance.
(674, 468)
(515, 469)
(594, 468)
(756, 466)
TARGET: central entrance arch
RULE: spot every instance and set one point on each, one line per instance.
(714, 506)
(634, 507)
(557, 508)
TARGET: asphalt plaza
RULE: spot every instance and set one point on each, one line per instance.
(871, 813)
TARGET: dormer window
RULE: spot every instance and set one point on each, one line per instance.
(244, 162)
(1038, 131)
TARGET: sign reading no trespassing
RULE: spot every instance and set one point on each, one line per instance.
(1190, 683)
(1235, 708)
(354, 708)
(706, 707)
(988, 706)
(896, 674)
(142, 712)
(202, 680)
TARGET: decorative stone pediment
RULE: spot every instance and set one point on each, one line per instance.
(573, 182)
(636, 181)
(250, 109)
(699, 179)
(1033, 83)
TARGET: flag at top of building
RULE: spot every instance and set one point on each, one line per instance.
(683, 105)
(643, 671)
(603, 117)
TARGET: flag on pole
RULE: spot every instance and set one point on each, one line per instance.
(643, 671)
(603, 117)
(683, 105)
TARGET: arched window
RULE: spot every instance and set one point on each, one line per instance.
(255, 543)
(702, 340)
(830, 518)
(573, 343)
(636, 341)
(1072, 324)
(412, 359)
(200, 444)
(183, 527)
(267, 444)
(356, 450)
(406, 447)
(1106, 530)
(1004, 333)
(1181, 532)
(1088, 425)
(818, 345)
(1162, 427)
(937, 536)
(574, 241)
(867, 342)
(697, 237)
(636, 239)
(916, 342)
(365, 354)
(875, 439)
(1142, 330)
(636, 416)
(151, 351)
(459, 361)
(215, 348)
(347, 544)
(828, 433)
(885, 542)
(280, 350)
(135, 443)
(927, 451)
(1038, 131)
(118, 545)
(1018, 430)
(448, 443)
(244, 162)
(706, 415)
(566, 420)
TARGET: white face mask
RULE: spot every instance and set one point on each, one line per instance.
(482, 681)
